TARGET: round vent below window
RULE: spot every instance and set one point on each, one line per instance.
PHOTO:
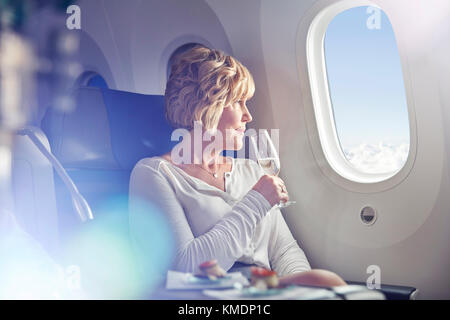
(368, 215)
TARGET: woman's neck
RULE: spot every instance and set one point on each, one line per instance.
(205, 152)
(207, 159)
(197, 150)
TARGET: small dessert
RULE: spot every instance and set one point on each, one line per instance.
(211, 269)
(263, 278)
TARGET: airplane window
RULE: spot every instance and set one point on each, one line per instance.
(366, 90)
(97, 81)
(91, 79)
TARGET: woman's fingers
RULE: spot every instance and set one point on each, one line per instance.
(272, 188)
(283, 194)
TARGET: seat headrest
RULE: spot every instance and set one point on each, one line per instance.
(108, 129)
(138, 126)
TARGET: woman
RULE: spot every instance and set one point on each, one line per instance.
(219, 207)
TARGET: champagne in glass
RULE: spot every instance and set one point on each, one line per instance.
(271, 166)
(267, 158)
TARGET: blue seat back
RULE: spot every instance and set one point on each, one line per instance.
(138, 126)
(108, 129)
(99, 141)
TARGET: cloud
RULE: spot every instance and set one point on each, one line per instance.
(378, 158)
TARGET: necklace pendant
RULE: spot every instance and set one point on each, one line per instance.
(215, 174)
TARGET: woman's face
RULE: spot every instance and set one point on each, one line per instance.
(232, 124)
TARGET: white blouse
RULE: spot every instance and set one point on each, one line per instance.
(236, 225)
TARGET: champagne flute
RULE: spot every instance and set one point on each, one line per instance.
(267, 158)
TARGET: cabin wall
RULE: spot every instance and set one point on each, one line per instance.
(138, 38)
(409, 240)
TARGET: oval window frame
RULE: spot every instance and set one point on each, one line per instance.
(319, 118)
(171, 48)
(86, 76)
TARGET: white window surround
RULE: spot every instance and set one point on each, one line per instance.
(318, 109)
(173, 45)
(84, 78)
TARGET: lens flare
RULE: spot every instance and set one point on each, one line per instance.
(26, 270)
(122, 254)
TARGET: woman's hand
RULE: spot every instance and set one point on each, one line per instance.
(272, 188)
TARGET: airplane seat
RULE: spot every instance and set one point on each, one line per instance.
(100, 140)
(33, 190)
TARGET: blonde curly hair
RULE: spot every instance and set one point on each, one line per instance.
(202, 82)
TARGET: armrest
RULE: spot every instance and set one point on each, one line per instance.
(80, 204)
(394, 292)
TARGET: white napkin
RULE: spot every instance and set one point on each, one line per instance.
(183, 281)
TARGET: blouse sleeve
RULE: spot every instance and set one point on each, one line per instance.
(285, 256)
(225, 241)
